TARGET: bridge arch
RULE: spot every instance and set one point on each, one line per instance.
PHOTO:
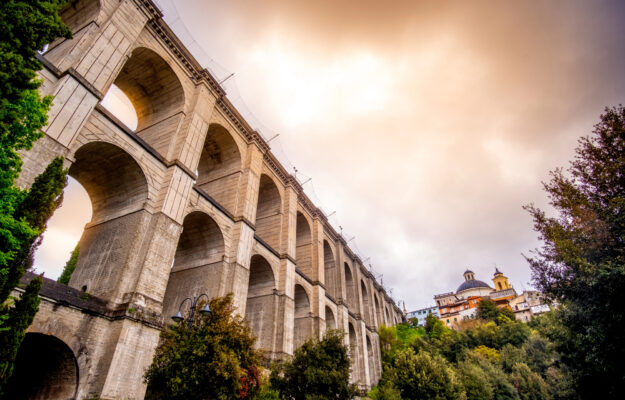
(118, 191)
(350, 288)
(261, 301)
(303, 245)
(45, 368)
(269, 212)
(330, 320)
(303, 324)
(378, 312)
(371, 359)
(366, 314)
(354, 354)
(219, 168)
(197, 264)
(156, 94)
(330, 272)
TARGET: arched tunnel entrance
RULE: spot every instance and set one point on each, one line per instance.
(45, 369)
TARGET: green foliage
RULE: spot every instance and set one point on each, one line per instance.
(540, 353)
(407, 333)
(511, 355)
(488, 353)
(25, 26)
(19, 318)
(384, 393)
(475, 382)
(267, 393)
(389, 343)
(397, 338)
(498, 380)
(498, 358)
(434, 327)
(35, 207)
(70, 266)
(487, 310)
(582, 260)
(423, 376)
(213, 358)
(528, 383)
(319, 369)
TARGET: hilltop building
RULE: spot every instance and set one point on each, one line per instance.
(527, 305)
(460, 305)
(454, 307)
(422, 313)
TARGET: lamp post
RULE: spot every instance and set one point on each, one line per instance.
(204, 311)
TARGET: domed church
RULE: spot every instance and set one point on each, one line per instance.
(472, 287)
(462, 304)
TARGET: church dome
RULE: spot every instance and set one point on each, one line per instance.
(472, 284)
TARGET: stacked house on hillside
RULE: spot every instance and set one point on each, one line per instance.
(421, 314)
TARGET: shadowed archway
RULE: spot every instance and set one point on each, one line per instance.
(330, 320)
(219, 168)
(118, 191)
(269, 212)
(45, 369)
(261, 303)
(303, 245)
(198, 262)
(303, 324)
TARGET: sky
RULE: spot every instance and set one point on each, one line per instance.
(424, 125)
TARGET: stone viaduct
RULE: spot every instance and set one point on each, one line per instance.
(191, 201)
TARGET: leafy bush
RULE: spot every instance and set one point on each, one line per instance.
(423, 376)
(319, 369)
(213, 358)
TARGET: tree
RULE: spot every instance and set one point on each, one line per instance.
(501, 386)
(423, 376)
(214, 358)
(34, 209)
(19, 318)
(581, 263)
(528, 383)
(434, 327)
(475, 381)
(70, 266)
(487, 310)
(25, 27)
(319, 369)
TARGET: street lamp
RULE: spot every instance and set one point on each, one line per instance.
(204, 311)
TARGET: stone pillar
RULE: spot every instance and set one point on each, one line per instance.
(364, 379)
(132, 354)
(189, 139)
(318, 272)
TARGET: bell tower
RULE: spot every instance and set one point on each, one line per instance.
(500, 280)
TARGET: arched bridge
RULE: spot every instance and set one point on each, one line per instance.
(191, 200)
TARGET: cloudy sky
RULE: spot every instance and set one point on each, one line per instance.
(424, 125)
